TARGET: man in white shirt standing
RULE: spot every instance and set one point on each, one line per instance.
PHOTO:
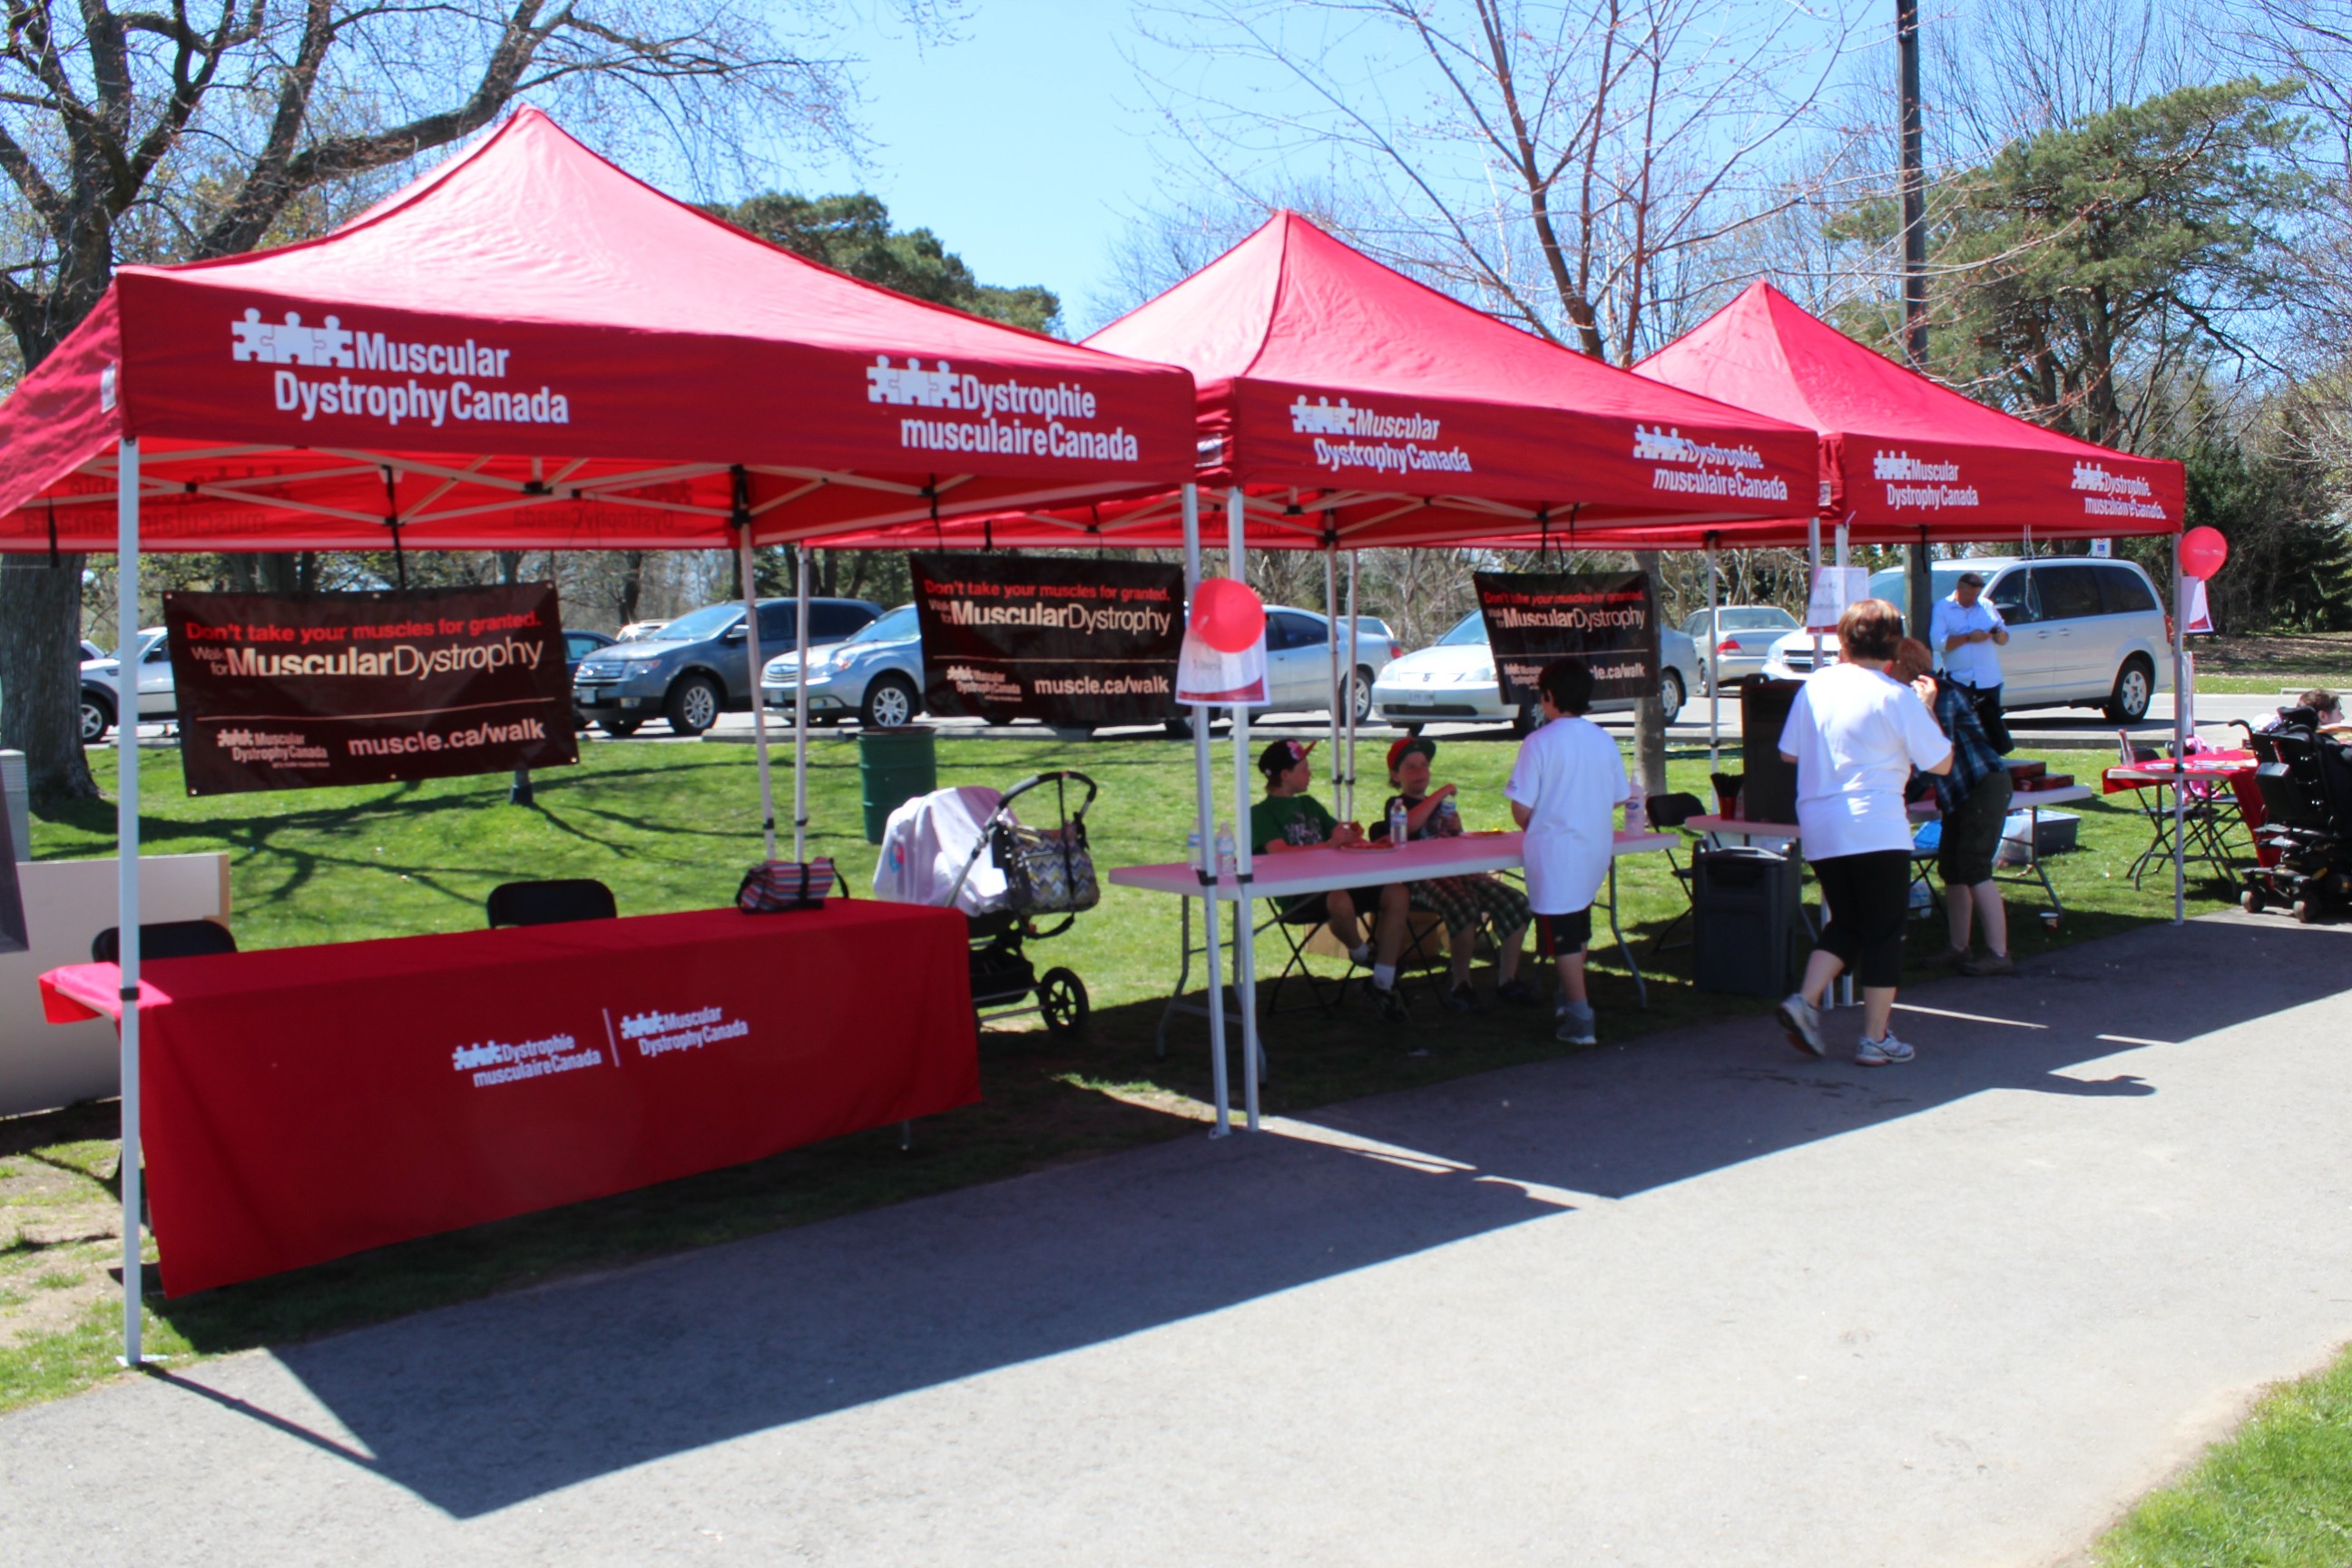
(1564, 788)
(1966, 632)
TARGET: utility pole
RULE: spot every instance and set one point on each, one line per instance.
(1914, 272)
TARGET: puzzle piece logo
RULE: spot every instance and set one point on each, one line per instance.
(255, 341)
(913, 386)
(1319, 418)
(1663, 446)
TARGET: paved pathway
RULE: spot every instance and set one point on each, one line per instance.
(1695, 1300)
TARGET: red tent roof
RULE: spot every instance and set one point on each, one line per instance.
(1902, 454)
(1330, 384)
(544, 350)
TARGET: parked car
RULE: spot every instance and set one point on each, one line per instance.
(1299, 661)
(1748, 632)
(2083, 633)
(637, 631)
(877, 675)
(90, 651)
(874, 675)
(695, 667)
(577, 646)
(1452, 680)
(101, 680)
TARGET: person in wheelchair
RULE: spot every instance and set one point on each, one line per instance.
(1465, 903)
(2319, 710)
(1289, 818)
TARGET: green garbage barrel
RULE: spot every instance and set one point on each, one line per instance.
(894, 766)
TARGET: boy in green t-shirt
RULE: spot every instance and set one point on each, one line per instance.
(1289, 818)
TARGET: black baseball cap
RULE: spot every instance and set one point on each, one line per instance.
(1282, 756)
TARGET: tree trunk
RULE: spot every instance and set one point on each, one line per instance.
(510, 567)
(1649, 718)
(633, 584)
(40, 660)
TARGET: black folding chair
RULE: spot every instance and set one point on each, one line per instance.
(551, 902)
(1668, 813)
(165, 939)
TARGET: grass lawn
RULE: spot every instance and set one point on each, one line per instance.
(671, 828)
(2262, 664)
(2278, 1494)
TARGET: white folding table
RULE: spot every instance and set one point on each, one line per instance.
(1298, 873)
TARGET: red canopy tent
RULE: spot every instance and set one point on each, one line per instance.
(1353, 407)
(529, 348)
(1902, 458)
(1343, 404)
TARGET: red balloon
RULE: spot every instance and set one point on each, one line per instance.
(2202, 552)
(1228, 616)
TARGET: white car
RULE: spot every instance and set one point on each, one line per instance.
(1748, 632)
(1452, 681)
(2082, 632)
(102, 681)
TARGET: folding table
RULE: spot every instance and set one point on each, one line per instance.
(2205, 828)
(1301, 872)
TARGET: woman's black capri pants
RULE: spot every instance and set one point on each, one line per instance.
(1867, 898)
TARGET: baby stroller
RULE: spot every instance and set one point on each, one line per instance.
(964, 848)
(2305, 842)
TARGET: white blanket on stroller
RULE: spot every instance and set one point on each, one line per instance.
(927, 841)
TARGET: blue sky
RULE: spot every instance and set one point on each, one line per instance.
(1023, 145)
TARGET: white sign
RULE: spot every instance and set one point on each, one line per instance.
(1205, 674)
(2200, 614)
(1834, 587)
(2103, 549)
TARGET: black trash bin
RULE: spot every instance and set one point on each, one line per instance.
(1745, 921)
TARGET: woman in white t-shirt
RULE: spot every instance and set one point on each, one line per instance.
(1855, 733)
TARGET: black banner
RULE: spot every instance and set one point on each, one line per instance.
(12, 937)
(298, 690)
(1073, 642)
(1608, 619)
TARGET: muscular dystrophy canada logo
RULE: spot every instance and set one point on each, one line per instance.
(1911, 482)
(495, 1062)
(1348, 436)
(658, 1033)
(1014, 417)
(2115, 495)
(458, 388)
(1702, 467)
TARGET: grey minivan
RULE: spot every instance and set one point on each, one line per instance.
(2082, 631)
(695, 667)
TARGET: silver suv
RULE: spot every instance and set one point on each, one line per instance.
(695, 667)
(2082, 631)
(875, 675)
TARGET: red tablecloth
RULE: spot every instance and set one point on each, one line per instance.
(303, 1103)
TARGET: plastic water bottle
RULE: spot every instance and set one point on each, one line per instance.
(1448, 817)
(1636, 815)
(1225, 865)
(1397, 823)
(1193, 847)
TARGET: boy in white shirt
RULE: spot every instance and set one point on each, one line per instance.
(1567, 782)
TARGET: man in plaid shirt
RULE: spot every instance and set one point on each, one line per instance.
(1975, 798)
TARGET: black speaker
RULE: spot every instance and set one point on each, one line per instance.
(1769, 794)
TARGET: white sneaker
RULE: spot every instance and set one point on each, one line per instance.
(1881, 1053)
(1803, 1022)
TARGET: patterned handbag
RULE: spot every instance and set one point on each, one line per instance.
(1048, 871)
(774, 885)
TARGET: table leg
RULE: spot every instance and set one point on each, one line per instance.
(1624, 948)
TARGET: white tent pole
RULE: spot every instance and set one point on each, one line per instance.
(1714, 667)
(759, 708)
(1205, 804)
(1347, 804)
(126, 828)
(1841, 547)
(2179, 732)
(1331, 625)
(1813, 570)
(800, 713)
(1245, 958)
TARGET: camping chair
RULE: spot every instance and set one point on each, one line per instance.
(165, 939)
(1424, 953)
(551, 902)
